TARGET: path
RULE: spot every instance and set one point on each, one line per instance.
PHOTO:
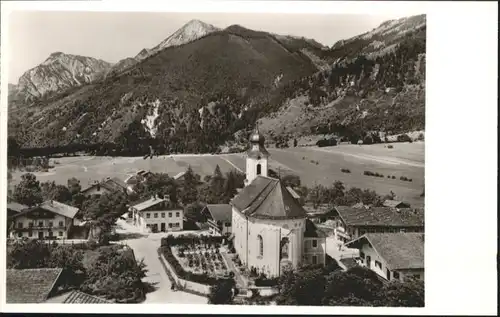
(145, 247)
(239, 280)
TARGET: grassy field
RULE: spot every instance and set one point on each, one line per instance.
(404, 159)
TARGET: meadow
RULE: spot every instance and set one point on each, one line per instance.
(314, 166)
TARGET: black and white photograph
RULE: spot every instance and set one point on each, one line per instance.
(216, 158)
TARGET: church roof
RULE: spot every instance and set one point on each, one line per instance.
(267, 198)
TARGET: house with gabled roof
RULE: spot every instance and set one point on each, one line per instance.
(393, 256)
(271, 232)
(48, 220)
(218, 218)
(395, 204)
(157, 214)
(107, 186)
(351, 223)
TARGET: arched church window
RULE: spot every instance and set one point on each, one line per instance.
(259, 168)
(284, 248)
(261, 245)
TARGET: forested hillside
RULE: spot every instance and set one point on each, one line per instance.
(199, 96)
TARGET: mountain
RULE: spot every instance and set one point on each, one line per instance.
(59, 72)
(375, 84)
(205, 93)
(189, 32)
(224, 72)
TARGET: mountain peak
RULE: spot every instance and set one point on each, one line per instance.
(191, 31)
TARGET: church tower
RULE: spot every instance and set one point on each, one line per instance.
(257, 157)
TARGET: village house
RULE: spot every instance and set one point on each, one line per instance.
(218, 218)
(396, 204)
(107, 186)
(34, 286)
(139, 177)
(271, 231)
(13, 209)
(393, 256)
(158, 215)
(351, 223)
(48, 220)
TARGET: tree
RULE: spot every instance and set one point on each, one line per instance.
(189, 191)
(291, 180)
(51, 191)
(115, 273)
(29, 254)
(160, 184)
(407, 294)
(230, 186)
(301, 287)
(74, 186)
(216, 187)
(221, 293)
(28, 191)
(295, 142)
(104, 212)
(390, 196)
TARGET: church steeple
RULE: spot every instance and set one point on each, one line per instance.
(257, 156)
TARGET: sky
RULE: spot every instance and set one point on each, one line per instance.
(112, 36)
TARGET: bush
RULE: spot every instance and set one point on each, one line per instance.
(390, 146)
(345, 170)
(326, 142)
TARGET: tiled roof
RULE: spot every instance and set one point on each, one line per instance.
(220, 212)
(179, 175)
(149, 203)
(16, 206)
(312, 231)
(349, 263)
(380, 216)
(55, 207)
(394, 203)
(399, 250)
(269, 199)
(30, 286)
(112, 184)
(293, 192)
(77, 297)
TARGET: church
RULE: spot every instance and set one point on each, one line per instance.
(270, 228)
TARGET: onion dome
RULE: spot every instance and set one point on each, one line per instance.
(256, 137)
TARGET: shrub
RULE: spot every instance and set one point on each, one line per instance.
(326, 142)
(390, 146)
(393, 177)
(345, 170)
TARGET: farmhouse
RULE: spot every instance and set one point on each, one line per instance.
(157, 214)
(109, 185)
(393, 256)
(13, 209)
(218, 218)
(395, 204)
(138, 177)
(49, 220)
(270, 228)
(351, 223)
